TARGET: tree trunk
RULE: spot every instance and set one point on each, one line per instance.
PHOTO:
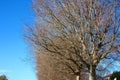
(78, 77)
(92, 73)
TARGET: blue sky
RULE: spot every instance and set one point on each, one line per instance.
(13, 49)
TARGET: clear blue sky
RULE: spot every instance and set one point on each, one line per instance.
(13, 49)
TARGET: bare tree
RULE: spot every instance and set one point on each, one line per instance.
(47, 69)
(81, 34)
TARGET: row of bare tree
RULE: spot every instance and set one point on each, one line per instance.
(71, 37)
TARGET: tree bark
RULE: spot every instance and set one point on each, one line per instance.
(77, 77)
(92, 73)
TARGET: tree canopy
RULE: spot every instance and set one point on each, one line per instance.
(3, 77)
(115, 75)
(81, 35)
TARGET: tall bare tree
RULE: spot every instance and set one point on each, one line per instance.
(81, 34)
(49, 69)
